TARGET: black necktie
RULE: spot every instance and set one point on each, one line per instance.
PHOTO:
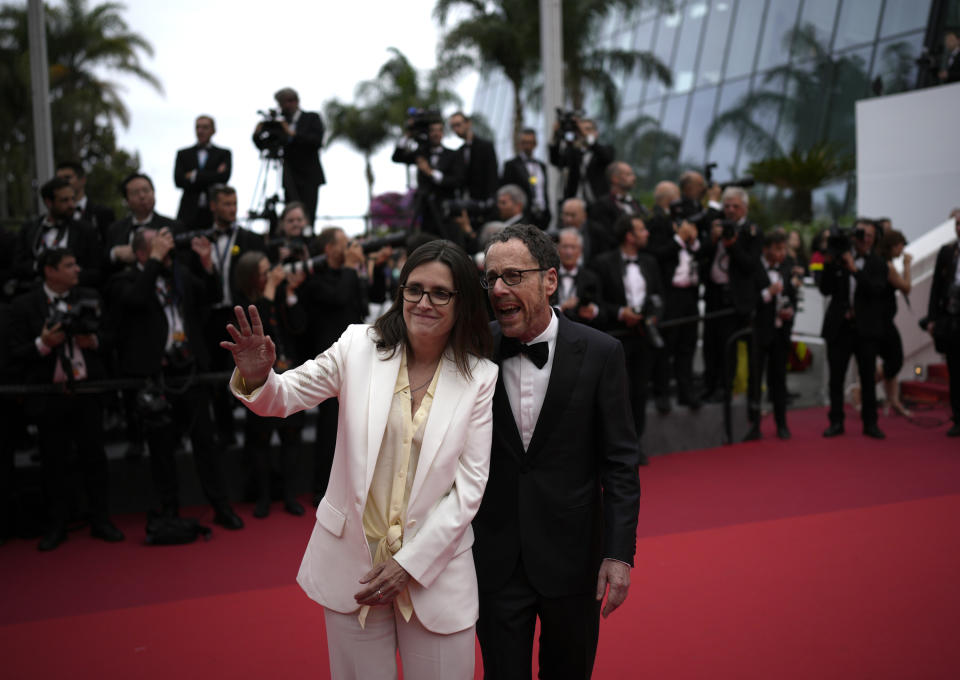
(537, 352)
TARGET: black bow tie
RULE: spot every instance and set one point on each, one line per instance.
(631, 260)
(567, 274)
(537, 352)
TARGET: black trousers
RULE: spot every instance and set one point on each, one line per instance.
(638, 354)
(190, 415)
(681, 341)
(718, 367)
(953, 366)
(257, 434)
(771, 359)
(569, 631)
(295, 188)
(62, 422)
(849, 343)
(325, 444)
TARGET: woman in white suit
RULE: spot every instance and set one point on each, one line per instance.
(389, 557)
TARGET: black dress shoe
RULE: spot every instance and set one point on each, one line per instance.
(663, 405)
(753, 435)
(227, 518)
(293, 507)
(105, 530)
(52, 539)
(954, 431)
(262, 508)
(783, 432)
(834, 430)
(873, 431)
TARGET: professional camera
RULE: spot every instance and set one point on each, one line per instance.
(419, 122)
(838, 242)
(270, 137)
(652, 309)
(78, 318)
(474, 208)
(183, 239)
(370, 245)
(567, 120)
(297, 245)
(729, 229)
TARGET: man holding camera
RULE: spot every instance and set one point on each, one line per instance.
(854, 277)
(300, 135)
(138, 192)
(530, 174)
(943, 316)
(197, 168)
(576, 149)
(160, 305)
(578, 292)
(56, 339)
(618, 201)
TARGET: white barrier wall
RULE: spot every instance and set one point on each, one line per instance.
(908, 157)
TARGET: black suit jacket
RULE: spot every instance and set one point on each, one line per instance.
(120, 233)
(480, 174)
(301, 153)
(606, 210)
(764, 322)
(588, 290)
(190, 212)
(515, 172)
(943, 276)
(867, 298)
(82, 240)
(571, 498)
(333, 299)
(141, 324)
(569, 156)
(100, 216)
(744, 260)
(610, 269)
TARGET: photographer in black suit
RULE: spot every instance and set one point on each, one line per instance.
(141, 198)
(618, 201)
(578, 293)
(197, 168)
(85, 210)
(159, 305)
(854, 277)
(943, 316)
(530, 174)
(301, 136)
(772, 324)
(576, 149)
(479, 160)
(56, 338)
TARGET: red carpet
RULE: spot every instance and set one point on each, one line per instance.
(807, 559)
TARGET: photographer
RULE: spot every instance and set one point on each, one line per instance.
(479, 160)
(854, 277)
(55, 339)
(296, 136)
(632, 305)
(159, 306)
(530, 174)
(291, 243)
(584, 160)
(439, 172)
(618, 201)
(694, 189)
(943, 316)
(950, 73)
(138, 192)
(578, 290)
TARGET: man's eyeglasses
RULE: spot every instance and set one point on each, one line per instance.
(511, 277)
(437, 298)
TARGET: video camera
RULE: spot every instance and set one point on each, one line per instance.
(370, 245)
(840, 241)
(419, 122)
(270, 138)
(567, 119)
(78, 318)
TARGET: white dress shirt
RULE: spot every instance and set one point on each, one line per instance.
(634, 285)
(685, 275)
(526, 385)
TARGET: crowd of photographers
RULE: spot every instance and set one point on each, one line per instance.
(145, 300)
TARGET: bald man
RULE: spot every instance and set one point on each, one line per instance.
(618, 201)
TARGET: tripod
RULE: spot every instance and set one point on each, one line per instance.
(263, 204)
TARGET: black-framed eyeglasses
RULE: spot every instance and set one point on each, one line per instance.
(511, 277)
(437, 298)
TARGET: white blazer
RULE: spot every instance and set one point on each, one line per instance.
(447, 486)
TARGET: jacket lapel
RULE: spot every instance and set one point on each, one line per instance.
(505, 425)
(446, 399)
(383, 378)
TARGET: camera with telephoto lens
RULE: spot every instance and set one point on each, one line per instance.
(419, 122)
(567, 120)
(369, 245)
(270, 137)
(78, 318)
(473, 207)
(183, 239)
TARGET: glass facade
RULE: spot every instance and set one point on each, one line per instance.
(783, 74)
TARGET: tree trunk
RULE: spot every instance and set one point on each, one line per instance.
(517, 115)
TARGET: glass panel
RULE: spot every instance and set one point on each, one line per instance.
(673, 114)
(858, 23)
(666, 36)
(743, 44)
(851, 83)
(653, 109)
(694, 146)
(633, 88)
(715, 42)
(775, 47)
(821, 15)
(900, 16)
(689, 44)
(895, 62)
(801, 120)
(724, 148)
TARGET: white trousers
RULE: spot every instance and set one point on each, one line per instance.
(370, 653)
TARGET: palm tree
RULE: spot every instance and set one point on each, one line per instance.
(653, 152)
(366, 129)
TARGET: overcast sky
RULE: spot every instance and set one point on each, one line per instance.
(227, 59)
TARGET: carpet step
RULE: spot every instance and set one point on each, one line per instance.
(938, 373)
(924, 391)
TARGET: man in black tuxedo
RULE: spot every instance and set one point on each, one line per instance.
(56, 229)
(578, 293)
(159, 306)
(943, 316)
(301, 141)
(85, 210)
(584, 161)
(772, 324)
(853, 324)
(530, 174)
(197, 168)
(141, 198)
(56, 338)
(632, 293)
(950, 73)
(439, 177)
(596, 239)
(558, 520)
(618, 201)
(479, 160)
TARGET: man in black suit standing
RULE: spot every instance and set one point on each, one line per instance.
(618, 201)
(197, 168)
(558, 520)
(943, 316)
(578, 288)
(302, 138)
(530, 174)
(479, 160)
(137, 190)
(584, 161)
(159, 306)
(56, 338)
(633, 297)
(85, 210)
(950, 73)
(772, 324)
(853, 324)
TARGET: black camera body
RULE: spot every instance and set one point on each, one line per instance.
(729, 229)
(840, 241)
(419, 122)
(270, 138)
(183, 239)
(79, 318)
(567, 120)
(473, 207)
(370, 245)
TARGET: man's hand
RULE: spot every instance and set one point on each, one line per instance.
(786, 313)
(571, 302)
(687, 232)
(847, 263)
(714, 192)
(222, 168)
(423, 165)
(382, 255)
(161, 245)
(354, 256)
(87, 341)
(617, 576)
(775, 288)
(294, 279)
(630, 317)
(52, 336)
(907, 259)
(463, 221)
(204, 249)
(588, 312)
(287, 130)
(253, 352)
(384, 583)
(124, 254)
(192, 175)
